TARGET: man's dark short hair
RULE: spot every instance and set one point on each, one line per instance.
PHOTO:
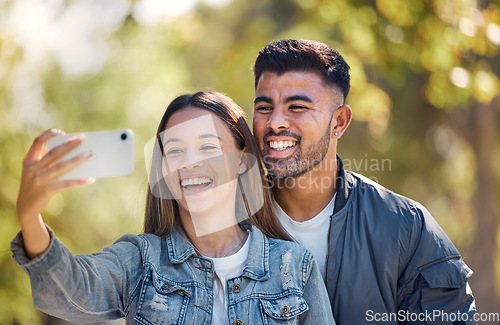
(303, 55)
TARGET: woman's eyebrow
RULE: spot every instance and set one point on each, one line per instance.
(203, 136)
(171, 140)
(209, 135)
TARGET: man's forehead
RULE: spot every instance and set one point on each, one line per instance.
(290, 77)
(293, 84)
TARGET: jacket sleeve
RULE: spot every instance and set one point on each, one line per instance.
(82, 288)
(435, 279)
(315, 295)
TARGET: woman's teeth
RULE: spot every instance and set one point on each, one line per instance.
(195, 181)
(281, 145)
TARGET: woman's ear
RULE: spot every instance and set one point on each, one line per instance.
(242, 168)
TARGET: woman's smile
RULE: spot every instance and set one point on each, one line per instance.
(195, 184)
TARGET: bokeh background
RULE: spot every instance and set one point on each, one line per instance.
(425, 97)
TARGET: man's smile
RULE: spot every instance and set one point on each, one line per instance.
(282, 145)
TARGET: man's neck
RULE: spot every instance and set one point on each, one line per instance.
(303, 197)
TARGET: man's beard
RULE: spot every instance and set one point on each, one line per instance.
(301, 161)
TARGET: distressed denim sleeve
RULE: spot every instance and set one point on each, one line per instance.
(315, 295)
(82, 288)
(434, 284)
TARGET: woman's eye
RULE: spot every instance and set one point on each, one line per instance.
(173, 151)
(209, 147)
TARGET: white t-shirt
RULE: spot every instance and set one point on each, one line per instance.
(227, 268)
(311, 234)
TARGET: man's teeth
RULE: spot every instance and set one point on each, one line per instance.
(281, 145)
(195, 181)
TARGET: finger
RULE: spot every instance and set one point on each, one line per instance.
(60, 151)
(63, 167)
(64, 185)
(38, 144)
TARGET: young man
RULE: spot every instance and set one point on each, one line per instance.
(384, 258)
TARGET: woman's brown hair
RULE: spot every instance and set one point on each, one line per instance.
(162, 212)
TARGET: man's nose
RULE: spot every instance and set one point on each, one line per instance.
(278, 120)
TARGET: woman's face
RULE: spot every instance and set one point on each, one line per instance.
(201, 162)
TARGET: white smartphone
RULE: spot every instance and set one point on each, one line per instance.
(113, 154)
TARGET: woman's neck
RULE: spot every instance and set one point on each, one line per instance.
(220, 242)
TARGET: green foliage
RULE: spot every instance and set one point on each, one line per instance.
(417, 68)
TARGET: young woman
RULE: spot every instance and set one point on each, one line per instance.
(212, 250)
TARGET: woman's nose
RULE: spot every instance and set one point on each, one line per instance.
(190, 160)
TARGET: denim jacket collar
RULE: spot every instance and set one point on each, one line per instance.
(179, 249)
(257, 263)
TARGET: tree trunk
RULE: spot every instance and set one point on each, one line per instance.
(483, 251)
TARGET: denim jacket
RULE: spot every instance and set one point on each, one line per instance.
(157, 281)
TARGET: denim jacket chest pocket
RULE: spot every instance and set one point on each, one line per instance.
(283, 310)
(164, 301)
(264, 302)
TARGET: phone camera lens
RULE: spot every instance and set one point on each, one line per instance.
(124, 136)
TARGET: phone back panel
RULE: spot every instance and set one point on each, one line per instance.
(113, 154)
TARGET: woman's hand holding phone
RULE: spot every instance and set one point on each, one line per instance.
(39, 182)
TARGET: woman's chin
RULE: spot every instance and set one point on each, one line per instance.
(199, 203)
(197, 208)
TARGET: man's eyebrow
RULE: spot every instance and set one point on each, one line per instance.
(263, 99)
(303, 98)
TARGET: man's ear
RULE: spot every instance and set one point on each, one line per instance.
(341, 119)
